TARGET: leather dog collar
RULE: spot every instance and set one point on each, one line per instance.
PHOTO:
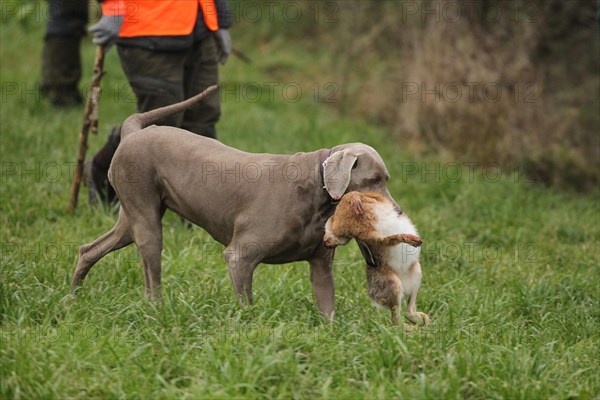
(368, 255)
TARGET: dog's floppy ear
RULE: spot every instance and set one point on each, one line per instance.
(337, 169)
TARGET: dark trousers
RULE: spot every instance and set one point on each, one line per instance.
(160, 78)
(67, 18)
(61, 60)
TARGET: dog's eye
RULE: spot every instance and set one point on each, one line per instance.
(376, 179)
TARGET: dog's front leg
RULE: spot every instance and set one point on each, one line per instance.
(241, 270)
(118, 237)
(321, 278)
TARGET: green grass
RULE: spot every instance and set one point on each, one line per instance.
(511, 275)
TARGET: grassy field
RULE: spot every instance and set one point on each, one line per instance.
(511, 277)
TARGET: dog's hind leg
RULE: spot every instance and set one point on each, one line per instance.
(118, 237)
(146, 229)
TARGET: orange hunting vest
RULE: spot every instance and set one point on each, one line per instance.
(160, 17)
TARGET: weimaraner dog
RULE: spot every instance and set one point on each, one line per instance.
(265, 208)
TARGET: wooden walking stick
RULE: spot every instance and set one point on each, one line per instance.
(90, 120)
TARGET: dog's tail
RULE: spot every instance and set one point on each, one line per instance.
(141, 120)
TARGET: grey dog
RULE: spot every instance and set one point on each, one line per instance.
(265, 208)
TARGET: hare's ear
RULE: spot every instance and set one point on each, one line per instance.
(356, 203)
(337, 169)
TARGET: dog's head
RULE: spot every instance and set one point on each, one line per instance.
(355, 167)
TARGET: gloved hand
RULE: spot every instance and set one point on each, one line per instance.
(106, 31)
(223, 45)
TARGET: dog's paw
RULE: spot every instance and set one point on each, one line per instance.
(419, 318)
